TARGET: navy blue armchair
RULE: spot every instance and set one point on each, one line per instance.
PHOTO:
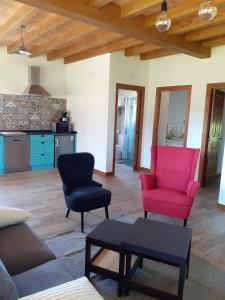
(82, 193)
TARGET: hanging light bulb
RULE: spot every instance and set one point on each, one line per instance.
(22, 50)
(207, 11)
(163, 23)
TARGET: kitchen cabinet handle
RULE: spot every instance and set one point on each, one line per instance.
(16, 140)
(42, 142)
(56, 142)
(42, 154)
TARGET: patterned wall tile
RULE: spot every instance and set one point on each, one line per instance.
(29, 112)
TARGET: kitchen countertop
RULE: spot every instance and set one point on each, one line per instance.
(39, 132)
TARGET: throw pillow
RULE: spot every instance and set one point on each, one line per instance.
(10, 216)
(8, 289)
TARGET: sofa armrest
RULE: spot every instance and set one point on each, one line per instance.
(192, 188)
(80, 289)
(147, 181)
(95, 183)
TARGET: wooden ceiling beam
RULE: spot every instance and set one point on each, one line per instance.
(214, 42)
(157, 53)
(181, 11)
(205, 34)
(111, 47)
(62, 38)
(195, 23)
(48, 25)
(21, 16)
(140, 49)
(98, 38)
(98, 3)
(108, 17)
(135, 7)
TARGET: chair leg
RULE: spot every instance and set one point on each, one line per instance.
(107, 212)
(82, 222)
(68, 212)
(185, 222)
(146, 214)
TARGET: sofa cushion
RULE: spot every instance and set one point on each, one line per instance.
(21, 249)
(8, 289)
(80, 289)
(10, 216)
(42, 277)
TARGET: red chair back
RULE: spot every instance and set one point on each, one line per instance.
(174, 167)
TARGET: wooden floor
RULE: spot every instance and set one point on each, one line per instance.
(40, 193)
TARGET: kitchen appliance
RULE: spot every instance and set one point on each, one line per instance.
(64, 144)
(16, 152)
(63, 125)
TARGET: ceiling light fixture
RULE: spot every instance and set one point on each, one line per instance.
(207, 10)
(22, 50)
(163, 23)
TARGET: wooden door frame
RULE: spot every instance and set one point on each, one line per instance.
(139, 122)
(159, 91)
(206, 127)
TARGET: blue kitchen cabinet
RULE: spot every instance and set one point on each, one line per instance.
(41, 151)
(1, 155)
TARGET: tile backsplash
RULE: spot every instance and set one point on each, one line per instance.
(29, 112)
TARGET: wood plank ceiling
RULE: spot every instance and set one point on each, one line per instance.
(76, 30)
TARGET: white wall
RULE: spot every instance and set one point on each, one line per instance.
(128, 71)
(14, 74)
(88, 87)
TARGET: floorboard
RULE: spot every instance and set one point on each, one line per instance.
(40, 192)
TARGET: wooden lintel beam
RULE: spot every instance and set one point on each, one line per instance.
(49, 24)
(97, 38)
(21, 16)
(140, 49)
(111, 47)
(137, 7)
(108, 17)
(156, 54)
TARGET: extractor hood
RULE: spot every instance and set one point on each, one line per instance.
(34, 87)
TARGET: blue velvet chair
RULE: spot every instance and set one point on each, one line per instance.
(82, 193)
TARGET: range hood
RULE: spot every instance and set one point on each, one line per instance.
(34, 87)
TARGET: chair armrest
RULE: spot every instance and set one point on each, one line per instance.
(147, 181)
(95, 183)
(192, 188)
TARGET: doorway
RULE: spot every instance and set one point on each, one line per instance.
(129, 108)
(172, 108)
(213, 136)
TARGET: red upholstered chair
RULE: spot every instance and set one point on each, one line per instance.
(170, 188)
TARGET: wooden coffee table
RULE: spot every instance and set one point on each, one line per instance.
(161, 242)
(109, 261)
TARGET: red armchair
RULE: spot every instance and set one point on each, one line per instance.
(170, 189)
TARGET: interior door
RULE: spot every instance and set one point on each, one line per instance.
(215, 135)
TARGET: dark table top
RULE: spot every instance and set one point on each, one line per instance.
(158, 240)
(110, 232)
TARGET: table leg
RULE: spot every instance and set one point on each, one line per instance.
(188, 261)
(182, 276)
(128, 273)
(121, 274)
(87, 258)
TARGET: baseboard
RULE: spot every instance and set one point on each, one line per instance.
(103, 174)
(220, 206)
